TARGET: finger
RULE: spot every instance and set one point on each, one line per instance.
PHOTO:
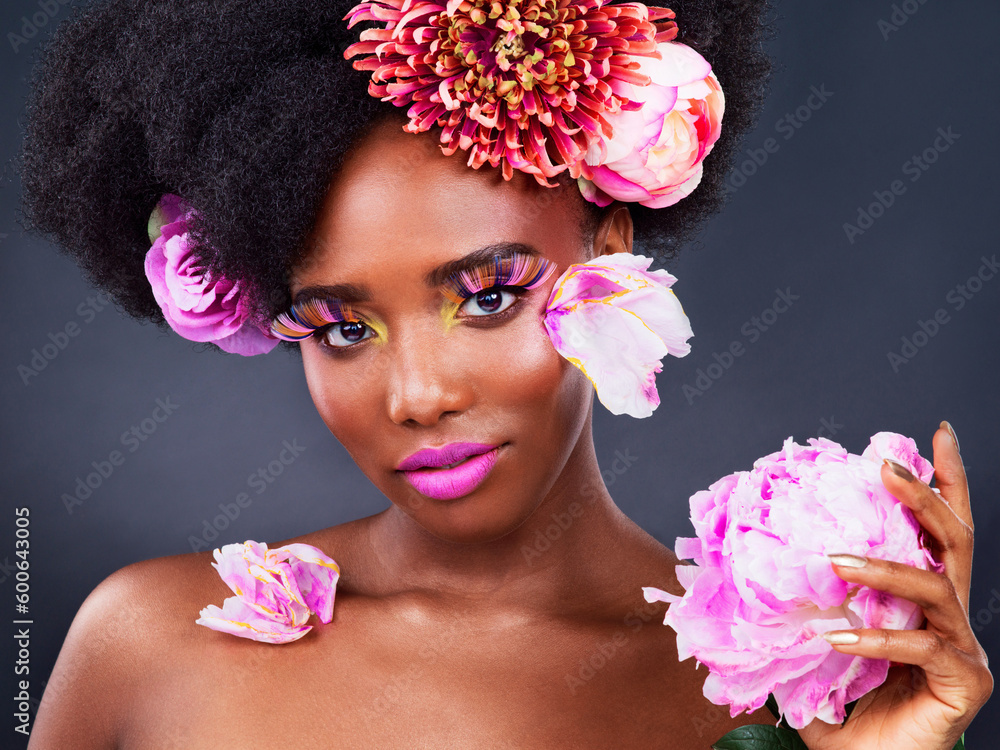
(952, 536)
(954, 677)
(949, 473)
(930, 509)
(933, 592)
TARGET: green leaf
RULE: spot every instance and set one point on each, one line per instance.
(760, 737)
(772, 706)
(766, 737)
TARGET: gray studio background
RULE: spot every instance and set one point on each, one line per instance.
(862, 87)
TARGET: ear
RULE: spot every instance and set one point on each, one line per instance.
(614, 232)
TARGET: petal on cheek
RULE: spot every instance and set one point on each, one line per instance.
(615, 321)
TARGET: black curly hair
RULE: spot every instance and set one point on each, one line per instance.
(246, 110)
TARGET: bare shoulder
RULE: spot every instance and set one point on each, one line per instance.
(142, 605)
(135, 638)
(130, 617)
(650, 561)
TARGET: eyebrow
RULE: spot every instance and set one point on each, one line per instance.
(352, 293)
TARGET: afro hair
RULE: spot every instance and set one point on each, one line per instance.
(247, 110)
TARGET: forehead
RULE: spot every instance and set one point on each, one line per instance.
(399, 202)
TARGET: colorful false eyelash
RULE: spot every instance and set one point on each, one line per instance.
(305, 317)
(522, 270)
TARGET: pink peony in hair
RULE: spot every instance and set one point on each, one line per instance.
(655, 157)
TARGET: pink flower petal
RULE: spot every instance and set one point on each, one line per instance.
(317, 577)
(237, 618)
(276, 590)
(679, 65)
(615, 321)
(901, 449)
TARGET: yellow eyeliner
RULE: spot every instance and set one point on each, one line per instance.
(448, 310)
(380, 328)
(519, 270)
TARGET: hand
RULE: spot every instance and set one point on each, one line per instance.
(926, 703)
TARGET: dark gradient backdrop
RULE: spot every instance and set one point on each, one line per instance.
(862, 89)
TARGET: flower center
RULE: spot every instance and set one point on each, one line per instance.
(501, 50)
(509, 48)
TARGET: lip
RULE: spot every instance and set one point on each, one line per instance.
(447, 454)
(458, 481)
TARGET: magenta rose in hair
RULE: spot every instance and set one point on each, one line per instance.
(762, 591)
(196, 306)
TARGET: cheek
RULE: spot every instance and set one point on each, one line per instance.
(537, 381)
(345, 404)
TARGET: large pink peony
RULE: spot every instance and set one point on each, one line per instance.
(655, 156)
(763, 591)
(196, 306)
(276, 591)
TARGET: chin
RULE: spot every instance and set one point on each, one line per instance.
(480, 517)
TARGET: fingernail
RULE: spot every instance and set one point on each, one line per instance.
(841, 637)
(848, 561)
(951, 431)
(898, 469)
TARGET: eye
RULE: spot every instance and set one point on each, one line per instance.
(343, 335)
(490, 301)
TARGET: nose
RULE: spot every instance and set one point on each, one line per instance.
(426, 377)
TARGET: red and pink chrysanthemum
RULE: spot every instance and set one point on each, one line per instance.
(520, 84)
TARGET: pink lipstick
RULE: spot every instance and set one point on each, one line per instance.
(451, 471)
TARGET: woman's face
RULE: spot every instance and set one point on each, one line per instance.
(409, 376)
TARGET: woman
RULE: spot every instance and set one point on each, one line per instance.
(446, 632)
